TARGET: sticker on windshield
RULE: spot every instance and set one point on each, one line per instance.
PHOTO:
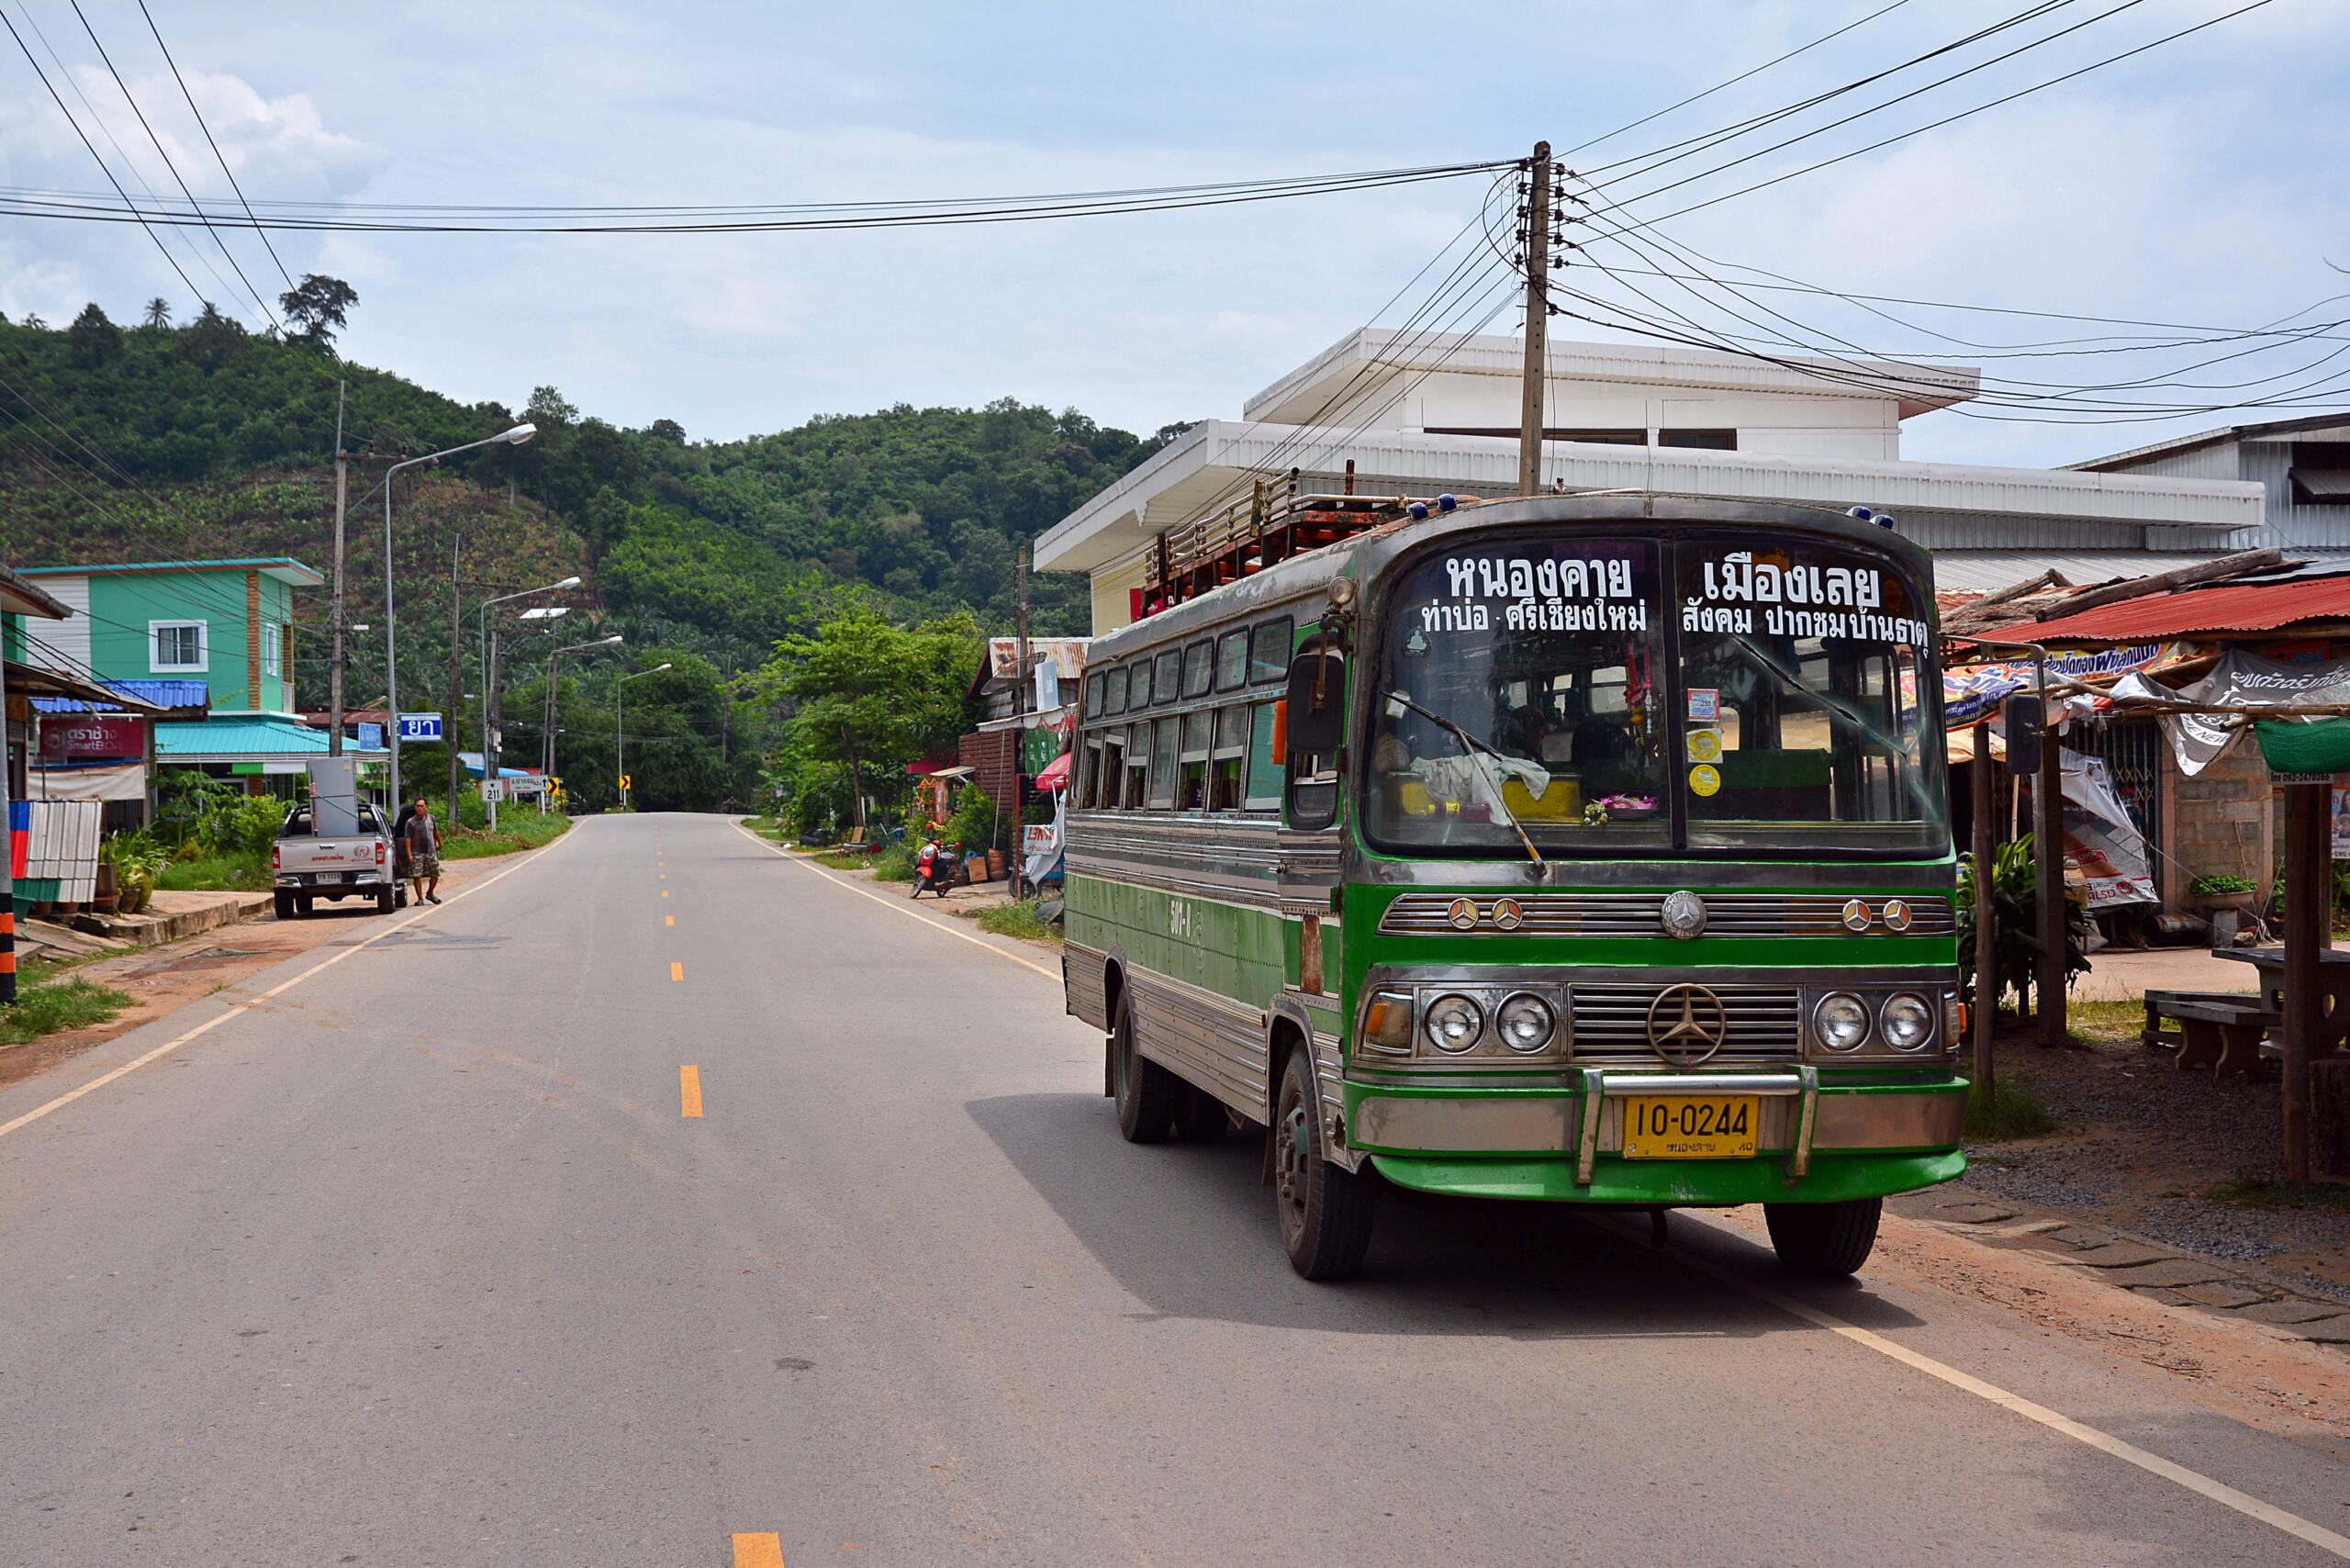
(1704, 705)
(1706, 746)
(1704, 779)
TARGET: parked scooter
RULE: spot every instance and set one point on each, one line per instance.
(935, 867)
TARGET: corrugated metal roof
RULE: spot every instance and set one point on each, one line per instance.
(237, 740)
(2239, 607)
(161, 693)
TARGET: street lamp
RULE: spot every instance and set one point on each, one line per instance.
(514, 437)
(620, 759)
(490, 748)
(546, 742)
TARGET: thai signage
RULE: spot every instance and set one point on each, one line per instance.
(2101, 838)
(64, 736)
(1548, 590)
(2238, 680)
(1744, 596)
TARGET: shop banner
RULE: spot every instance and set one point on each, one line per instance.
(1972, 692)
(2101, 840)
(73, 735)
(2238, 680)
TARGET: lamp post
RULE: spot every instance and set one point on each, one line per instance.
(619, 755)
(514, 437)
(489, 747)
(547, 731)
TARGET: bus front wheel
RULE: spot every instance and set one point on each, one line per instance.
(1325, 1209)
(1145, 1092)
(1826, 1241)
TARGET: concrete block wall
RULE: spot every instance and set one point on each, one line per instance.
(2223, 820)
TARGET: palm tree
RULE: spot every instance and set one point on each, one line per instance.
(159, 312)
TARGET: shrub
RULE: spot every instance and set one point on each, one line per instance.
(2014, 889)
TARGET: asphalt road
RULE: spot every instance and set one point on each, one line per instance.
(421, 1262)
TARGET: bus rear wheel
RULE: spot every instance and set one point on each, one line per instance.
(1147, 1094)
(1326, 1209)
(1825, 1240)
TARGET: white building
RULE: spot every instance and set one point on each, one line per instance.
(1419, 415)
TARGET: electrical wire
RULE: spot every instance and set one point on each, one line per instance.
(209, 142)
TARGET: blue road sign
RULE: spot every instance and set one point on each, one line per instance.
(371, 737)
(420, 727)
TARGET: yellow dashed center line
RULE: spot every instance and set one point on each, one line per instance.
(758, 1551)
(665, 892)
(670, 918)
(689, 1088)
(677, 971)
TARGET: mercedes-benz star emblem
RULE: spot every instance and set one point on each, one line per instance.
(1688, 1023)
(1684, 915)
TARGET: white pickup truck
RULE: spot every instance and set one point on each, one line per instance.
(305, 866)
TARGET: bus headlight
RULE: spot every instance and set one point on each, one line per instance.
(1907, 1022)
(1454, 1024)
(1524, 1023)
(1842, 1022)
(1387, 1024)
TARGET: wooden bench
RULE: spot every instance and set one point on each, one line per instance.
(2215, 1029)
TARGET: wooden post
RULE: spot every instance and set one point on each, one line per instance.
(1538, 319)
(2048, 856)
(1986, 918)
(2308, 902)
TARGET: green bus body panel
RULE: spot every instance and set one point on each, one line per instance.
(1236, 950)
(1834, 1177)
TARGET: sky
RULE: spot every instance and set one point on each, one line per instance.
(2197, 184)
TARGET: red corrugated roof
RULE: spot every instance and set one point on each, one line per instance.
(2242, 607)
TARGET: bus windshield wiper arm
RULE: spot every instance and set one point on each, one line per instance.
(1471, 747)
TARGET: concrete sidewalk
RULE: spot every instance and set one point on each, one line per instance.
(2120, 974)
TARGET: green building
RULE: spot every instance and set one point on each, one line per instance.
(167, 628)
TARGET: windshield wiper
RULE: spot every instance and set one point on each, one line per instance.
(1471, 747)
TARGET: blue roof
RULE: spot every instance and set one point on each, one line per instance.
(161, 693)
(260, 738)
(471, 762)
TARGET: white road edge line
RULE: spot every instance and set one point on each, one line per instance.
(2202, 1485)
(238, 1009)
(903, 907)
(2129, 1453)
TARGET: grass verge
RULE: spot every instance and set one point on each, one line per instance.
(516, 830)
(1017, 920)
(2012, 1111)
(47, 1009)
(2261, 1192)
(240, 873)
(846, 860)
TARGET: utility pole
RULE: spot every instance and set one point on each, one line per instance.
(334, 664)
(491, 764)
(1538, 319)
(457, 683)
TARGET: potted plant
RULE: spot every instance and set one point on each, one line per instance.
(2214, 893)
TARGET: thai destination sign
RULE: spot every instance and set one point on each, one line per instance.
(1737, 593)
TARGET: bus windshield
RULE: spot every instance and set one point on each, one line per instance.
(1533, 687)
(1519, 690)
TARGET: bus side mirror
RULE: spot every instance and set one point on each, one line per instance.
(2025, 716)
(1314, 713)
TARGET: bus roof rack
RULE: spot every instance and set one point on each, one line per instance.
(1273, 524)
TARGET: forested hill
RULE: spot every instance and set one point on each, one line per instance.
(161, 440)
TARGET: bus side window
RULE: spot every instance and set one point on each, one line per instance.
(1163, 765)
(1199, 730)
(1230, 757)
(1262, 791)
(1232, 661)
(1138, 766)
(1315, 722)
(1268, 650)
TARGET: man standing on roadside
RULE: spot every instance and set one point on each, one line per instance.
(424, 854)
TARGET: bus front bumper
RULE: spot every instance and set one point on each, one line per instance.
(1816, 1142)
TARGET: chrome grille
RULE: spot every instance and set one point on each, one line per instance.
(1611, 1021)
(1641, 914)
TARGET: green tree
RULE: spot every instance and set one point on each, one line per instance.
(871, 697)
(95, 339)
(316, 309)
(159, 314)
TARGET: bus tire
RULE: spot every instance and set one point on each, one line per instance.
(1201, 1118)
(1145, 1092)
(1326, 1209)
(1826, 1241)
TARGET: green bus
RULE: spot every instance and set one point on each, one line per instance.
(1579, 849)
